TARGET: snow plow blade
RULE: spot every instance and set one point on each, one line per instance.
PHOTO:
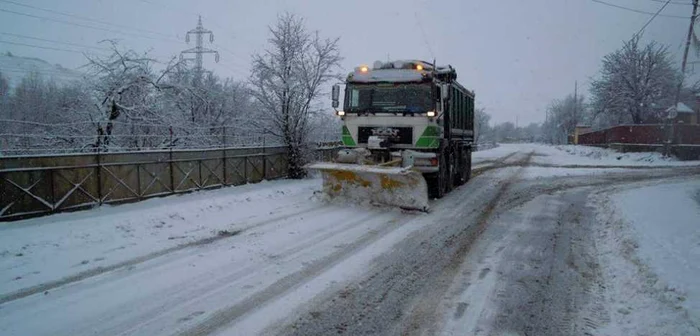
(393, 186)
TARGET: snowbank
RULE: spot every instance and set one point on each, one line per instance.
(571, 154)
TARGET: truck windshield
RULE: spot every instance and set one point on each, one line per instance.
(392, 98)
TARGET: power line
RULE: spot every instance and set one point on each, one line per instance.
(53, 41)
(674, 2)
(179, 11)
(639, 11)
(652, 19)
(41, 47)
(48, 73)
(187, 12)
(425, 38)
(86, 26)
(86, 18)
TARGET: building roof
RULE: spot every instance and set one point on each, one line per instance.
(681, 108)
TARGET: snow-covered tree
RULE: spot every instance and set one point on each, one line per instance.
(562, 118)
(636, 84)
(531, 133)
(4, 88)
(504, 132)
(482, 129)
(287, 79)
(126, 87)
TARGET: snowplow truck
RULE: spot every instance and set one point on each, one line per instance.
(407, 134)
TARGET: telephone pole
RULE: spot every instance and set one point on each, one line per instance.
(673, 113)
(575, 103)
(199, 49)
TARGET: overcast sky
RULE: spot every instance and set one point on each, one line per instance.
(517, 55)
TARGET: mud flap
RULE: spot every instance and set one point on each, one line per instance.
(400, 187)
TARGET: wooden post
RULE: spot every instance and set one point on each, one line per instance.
(223, 158)
(138, 182)
(98, 176)
(170, 161)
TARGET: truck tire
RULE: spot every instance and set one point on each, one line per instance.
(468, 168)
(462, 171)
(451, 159)
(436, 182)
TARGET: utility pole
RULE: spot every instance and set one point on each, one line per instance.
(576, 103)
(199, 49)
(673, 113)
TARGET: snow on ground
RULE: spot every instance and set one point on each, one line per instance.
(665, 220)
(547, 172)
(576, 155)
(586, 155)
(651, 244)
(495, 153)
(49, 248)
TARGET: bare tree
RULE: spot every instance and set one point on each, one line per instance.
(636, 85)
(481, 124)
(287, 79)
(562, 118)
(124, 84)
(4, 88)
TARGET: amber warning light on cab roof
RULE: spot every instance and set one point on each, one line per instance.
(378, 65)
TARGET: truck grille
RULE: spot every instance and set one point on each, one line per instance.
(396, 135)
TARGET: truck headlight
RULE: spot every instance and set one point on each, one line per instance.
(340, 113)
(430, 114)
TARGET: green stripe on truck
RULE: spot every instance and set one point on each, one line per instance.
(347, 138)
(430, 138)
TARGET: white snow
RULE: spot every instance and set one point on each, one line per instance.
(495, 153)
(287, 233)
(665, 221)
(281, 228)
(649, 243)
(577, 155)
(546, 172)
(49, 248)
(681, 108)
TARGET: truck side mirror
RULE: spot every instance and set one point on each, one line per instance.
(335, 93)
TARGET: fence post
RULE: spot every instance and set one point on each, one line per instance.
(138, 181)
(199, 171)
(245, 169)
(223, 158)
(53, 189)
(98, 175)
(170, 163)
(264, 160)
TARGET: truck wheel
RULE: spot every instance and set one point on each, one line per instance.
(468, 167)
(458, 166)
(451, 170)
(462, 175)
(436, 183)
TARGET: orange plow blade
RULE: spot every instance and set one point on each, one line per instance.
(400, 187)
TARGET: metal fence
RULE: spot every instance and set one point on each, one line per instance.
(38, 185)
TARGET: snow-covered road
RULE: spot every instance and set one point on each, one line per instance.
(516, 251)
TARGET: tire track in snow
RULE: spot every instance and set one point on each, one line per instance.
(47, 286)
(423, 318)
(227, 316)
(377, 303)
(207, 287)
